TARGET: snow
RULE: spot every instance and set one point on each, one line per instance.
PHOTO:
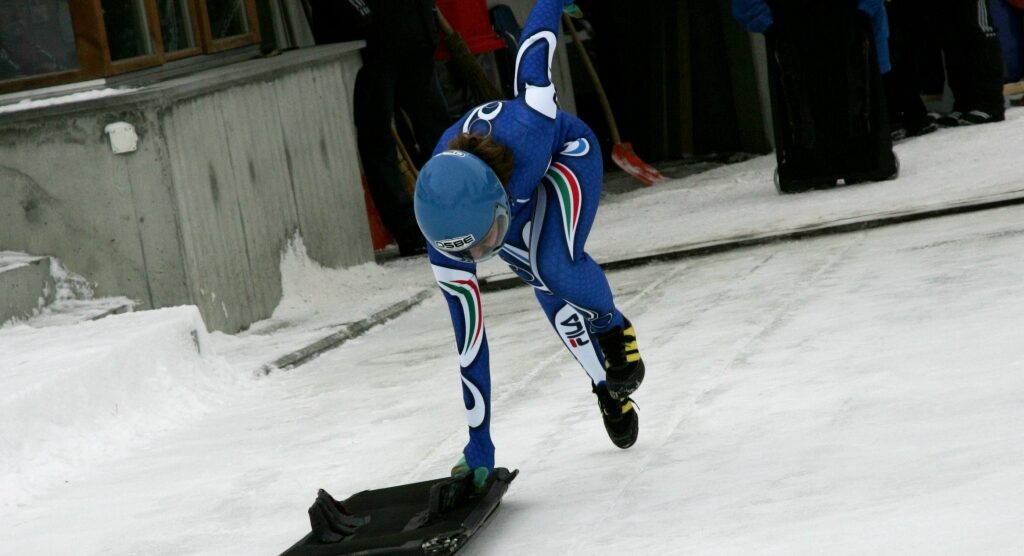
(318, 301)
(858, 393)
(31, 104)
(76, 395)
(10, 260)
(74, 299)
(949, 167)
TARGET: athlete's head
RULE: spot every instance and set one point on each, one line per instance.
(461, 206)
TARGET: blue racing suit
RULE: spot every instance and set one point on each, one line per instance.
(553, 194)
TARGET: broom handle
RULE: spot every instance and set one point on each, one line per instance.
(403, 152)
(445, 26)
(614, 129)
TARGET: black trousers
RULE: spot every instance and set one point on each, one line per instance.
(828, 104)
(906, 109)
(407, 82)
(961, 33)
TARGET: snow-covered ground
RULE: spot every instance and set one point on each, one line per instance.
(949, 167)
(856, 394)
(853, 394)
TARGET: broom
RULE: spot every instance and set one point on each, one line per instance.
(480, 87)
(622, 153)
(406, 167)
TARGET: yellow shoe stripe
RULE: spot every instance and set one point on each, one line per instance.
(625, 408)
(632, 351)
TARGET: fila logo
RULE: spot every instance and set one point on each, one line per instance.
(574, 331)
(571, 326)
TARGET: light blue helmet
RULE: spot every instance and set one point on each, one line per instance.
(461, 206)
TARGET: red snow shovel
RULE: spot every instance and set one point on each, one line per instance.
(622, 153)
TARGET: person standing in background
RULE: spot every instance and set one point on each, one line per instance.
(398, 73)
(825, 62)
(908, 115)
(960, 32)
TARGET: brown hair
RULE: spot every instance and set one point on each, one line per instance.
(496, 155)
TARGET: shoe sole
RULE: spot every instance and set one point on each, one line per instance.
(631, 440)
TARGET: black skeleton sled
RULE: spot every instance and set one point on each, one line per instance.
(828, 104)
(430, 518)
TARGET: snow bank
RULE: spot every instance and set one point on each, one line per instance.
(80, 394)
(349, 293)
(317, 301)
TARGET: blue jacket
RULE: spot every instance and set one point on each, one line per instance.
(756, 17)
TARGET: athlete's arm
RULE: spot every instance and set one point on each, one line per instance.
(536, 51)
(461, 290)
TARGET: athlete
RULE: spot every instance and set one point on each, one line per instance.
(521, 179)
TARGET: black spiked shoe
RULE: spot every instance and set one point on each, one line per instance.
(620, 418)
(624, 369)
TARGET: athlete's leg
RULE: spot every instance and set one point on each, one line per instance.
(546, 249)
(548, 252)
(566, 204)
(574, 182)
(619, 415)
(570, 324)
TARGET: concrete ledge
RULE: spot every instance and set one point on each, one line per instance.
(503, 282)
(508, 281)
(25, 285)
(353, 330)
(172, 90)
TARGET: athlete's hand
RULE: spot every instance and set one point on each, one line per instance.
(480, 474)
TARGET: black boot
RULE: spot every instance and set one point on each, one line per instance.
(622, 363)
(620, 418)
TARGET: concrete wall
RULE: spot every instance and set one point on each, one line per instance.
(25, 285)
(63, 193)
(231, 163)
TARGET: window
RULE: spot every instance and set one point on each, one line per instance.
(176, 25)
(127, 29)
(36, 37)
(227, 18)
(46, 42)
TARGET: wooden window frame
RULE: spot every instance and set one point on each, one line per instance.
(145, 60)
(211, 45)
(90, 44)
(197, 36)
(94, 50)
